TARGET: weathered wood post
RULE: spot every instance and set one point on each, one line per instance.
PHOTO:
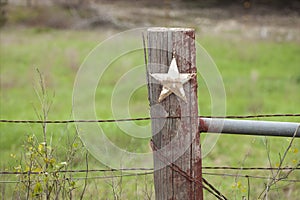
(172, 87)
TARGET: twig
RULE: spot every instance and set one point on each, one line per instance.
(248, 182)
(145, 191)
(274, 179)
(268, 153)
(29, 183)
(45, 106)
(242, 164)
(86, 175)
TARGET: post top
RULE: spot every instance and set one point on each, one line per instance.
(164, 29)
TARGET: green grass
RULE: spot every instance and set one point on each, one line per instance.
(259, 77)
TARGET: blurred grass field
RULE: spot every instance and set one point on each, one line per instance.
(260, 76)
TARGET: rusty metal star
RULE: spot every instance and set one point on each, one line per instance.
(172, 82)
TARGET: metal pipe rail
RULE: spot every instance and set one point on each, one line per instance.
(249, 127)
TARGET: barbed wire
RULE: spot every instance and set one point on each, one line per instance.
(144, 119)
(251, 176)
(78, 171)
(252, 168)
(210, 188)
(149, 173)
(145, 169)
(83, 178)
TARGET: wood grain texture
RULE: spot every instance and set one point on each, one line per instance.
(177, 139)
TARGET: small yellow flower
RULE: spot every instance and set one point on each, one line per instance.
(75, 145)
(294, 161)
(18, 168)
(29, 140)
(49, 160)
(40, 147)
(52, 161)
(38, 169)
(239, 184)
(37, 188)
(27, 168)
(295, 150)
(244, 189)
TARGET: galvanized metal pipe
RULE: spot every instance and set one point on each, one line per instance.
(249, 127)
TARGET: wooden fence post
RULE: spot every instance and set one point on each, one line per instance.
(172, 93)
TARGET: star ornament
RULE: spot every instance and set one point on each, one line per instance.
(172, 82)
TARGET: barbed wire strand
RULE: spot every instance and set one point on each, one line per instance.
(144, 119)
(78, 171)
(251, 168)
(145, 169)
(211, 189)
(83, 178)
(249, 176)
(149, 173)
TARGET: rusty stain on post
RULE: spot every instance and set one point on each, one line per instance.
(176, 139)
